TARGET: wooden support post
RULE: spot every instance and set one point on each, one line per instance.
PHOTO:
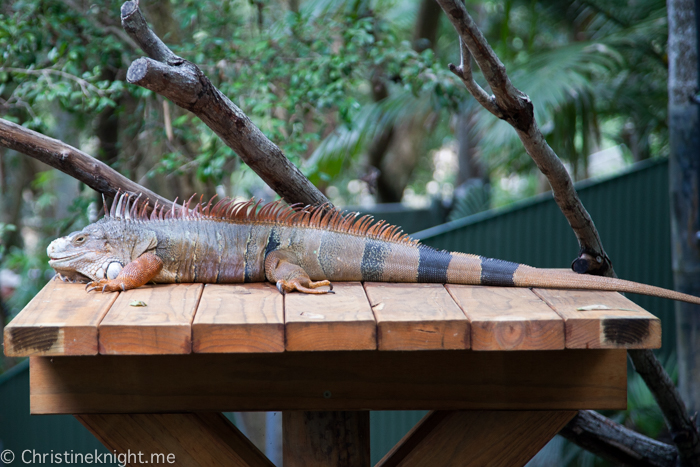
(189, 439)
(476, 438)
(326, 439)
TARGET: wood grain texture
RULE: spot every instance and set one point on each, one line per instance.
(61, 319)
(346, 380)
(417, 317)
(322, 439)
(603, 320)
(233, 318)
(508, 318)
(340, 321)
(204, 439)
(163, 326)
(476, 438)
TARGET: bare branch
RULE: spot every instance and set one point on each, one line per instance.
(135, 25)
(83, 167)
(186, 85)
(683, 429)
(464, 72)
(616, 443)
(516, 108)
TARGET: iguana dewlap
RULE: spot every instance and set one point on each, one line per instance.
(296, 250)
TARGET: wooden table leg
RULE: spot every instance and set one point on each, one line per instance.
(476, 438)
(189, 439)
(326, 439)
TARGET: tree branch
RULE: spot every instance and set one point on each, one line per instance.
(516, 108)
(513, 106)
(684, 431)
(184, 83)
(464, 72)
(83, 167)
(616, 443)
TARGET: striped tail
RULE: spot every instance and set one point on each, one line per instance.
(526, 276)
(461, 268)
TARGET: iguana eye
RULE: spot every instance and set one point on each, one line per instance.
(79, 239)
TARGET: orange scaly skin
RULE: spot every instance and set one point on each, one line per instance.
(139, 272)
(296, 250)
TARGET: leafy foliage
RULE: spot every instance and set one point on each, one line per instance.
(304, 72)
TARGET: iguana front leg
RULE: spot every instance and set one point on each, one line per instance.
(135, 274)
(282, 270)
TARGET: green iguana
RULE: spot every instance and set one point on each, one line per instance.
(294, 249)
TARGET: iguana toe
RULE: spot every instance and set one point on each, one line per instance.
(304, 286)
(107, 285)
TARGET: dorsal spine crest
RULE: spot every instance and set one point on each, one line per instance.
(126, 207)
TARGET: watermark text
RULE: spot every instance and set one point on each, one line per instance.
(32, 456)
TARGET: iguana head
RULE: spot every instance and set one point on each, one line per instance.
(102, 249)
(86, 255)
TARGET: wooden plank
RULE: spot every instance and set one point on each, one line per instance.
(603, 320)
(163, 326)
(61, 319)
(340, 321)
(176, 439)
(508, 318)
(477, 438)
(417, 317)
(352, 380)
(322, 439)
(233, 318)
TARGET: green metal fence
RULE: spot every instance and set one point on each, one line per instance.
(631, 212)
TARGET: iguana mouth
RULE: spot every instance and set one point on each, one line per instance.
(63, 258)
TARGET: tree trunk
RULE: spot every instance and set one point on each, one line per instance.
(470, 166)
(427, 23)
(684, 164)
(107, 124)
(396, 151)
(684, 123)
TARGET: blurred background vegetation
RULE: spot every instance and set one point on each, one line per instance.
(355, 92)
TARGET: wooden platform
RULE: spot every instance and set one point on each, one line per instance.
(501, 369)
(255, 318)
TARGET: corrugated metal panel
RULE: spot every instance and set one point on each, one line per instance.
(631, 212)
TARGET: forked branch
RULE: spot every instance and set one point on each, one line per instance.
(513, 106)
(186, 85)
(510, 104)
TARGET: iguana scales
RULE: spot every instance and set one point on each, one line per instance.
(298, 250)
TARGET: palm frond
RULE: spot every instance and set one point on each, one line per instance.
(346, 143)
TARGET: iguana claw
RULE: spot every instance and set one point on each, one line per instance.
(107, 286)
